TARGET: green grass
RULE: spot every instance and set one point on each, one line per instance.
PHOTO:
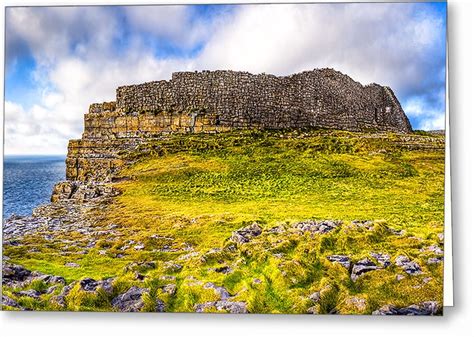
(197, 189)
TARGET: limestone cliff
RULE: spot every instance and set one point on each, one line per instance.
(216, 101)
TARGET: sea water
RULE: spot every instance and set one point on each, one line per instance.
(28, 182)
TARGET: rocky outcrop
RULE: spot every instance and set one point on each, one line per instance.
(217, 101)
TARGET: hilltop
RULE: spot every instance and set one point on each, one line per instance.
(285, 221)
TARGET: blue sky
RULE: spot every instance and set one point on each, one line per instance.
(61, 59)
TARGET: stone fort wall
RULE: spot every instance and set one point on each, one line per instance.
(215, 101)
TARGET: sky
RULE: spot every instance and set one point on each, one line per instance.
(59, 60)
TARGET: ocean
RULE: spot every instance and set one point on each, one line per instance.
(28, 182)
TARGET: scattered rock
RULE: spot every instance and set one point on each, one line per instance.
(435, 260)
(277, 230)
(410, 267)
(362, 267)
(51, 289)
(172, 267)
(423, 309)
(358, 304)
(7, 301)
(399, 277)
(246, 234)
(441, 237)
(313, 226)
(433, 248)
(71, 265)
(140, 266)
(227, 306)
(257, 281)
(13, 273)
(223, 270)
(107, 285)
(130, 301)
(88, 284)
(139, 276)
(313, 310)
(61, 298)
(341, 259)
(383, 259)
(365, 224)
(140, 246)
(188, 256)
(315, 297)
(29, 293)
(221, 291)
(169, 289)
(400, 232)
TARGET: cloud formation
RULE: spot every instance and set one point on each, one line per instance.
(81, 54)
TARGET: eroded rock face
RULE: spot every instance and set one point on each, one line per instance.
(216, 101)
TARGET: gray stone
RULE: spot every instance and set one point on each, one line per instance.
(88, 284)
(344, 260)
(7, 301)
(29, 293)
(382, 259)
(435, 260)
(227, 306)
(410, 267)
(130, 301)
(429, 308)
(221, 291)
(321, 227)
(246, 234)
(362, 267)
(170, 289)
(315, 297)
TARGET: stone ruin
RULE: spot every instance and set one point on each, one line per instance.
(218, 101)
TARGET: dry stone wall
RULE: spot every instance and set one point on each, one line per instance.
(216, 101)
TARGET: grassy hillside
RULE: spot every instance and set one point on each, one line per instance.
(184, 197)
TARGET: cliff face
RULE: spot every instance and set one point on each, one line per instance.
(226, 100)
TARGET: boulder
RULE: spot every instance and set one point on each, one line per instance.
(435, 260)
(362, 267)
(343, 260)
(29, 293)
(315, 297)
(382, 259)
(429, 308)
(246, 234)
(226, 306)
(88, 284)
(130, 301)
(13, 273)
(321, 227)
(7, 301)
(410, 267)
(221, 291)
